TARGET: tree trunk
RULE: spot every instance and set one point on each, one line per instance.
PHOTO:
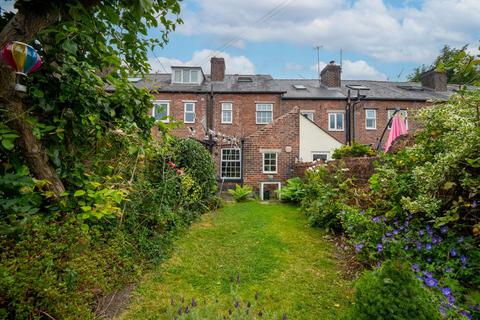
(24, 26)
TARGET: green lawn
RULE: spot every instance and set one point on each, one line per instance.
(245, 259)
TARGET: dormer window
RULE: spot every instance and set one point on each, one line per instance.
(187, 75)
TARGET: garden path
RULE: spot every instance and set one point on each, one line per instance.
(247, 260)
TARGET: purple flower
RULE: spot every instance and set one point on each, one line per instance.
(379, 247)
(466, 314)
(448, 269)
(446, 291)
(395, 231)
(428, 246)
(421, 233)
(436, 239)
(431, 282)
(358, 247)
(442, 310)
(451, 299)
(376, 219)
(474, 204)
(419, 245)
(401, 228)
(388, 234)
(415, 267)
(463, 259)
(444, 229)
(427, 274)
(453, 253)
(407, 247)
(428, 228)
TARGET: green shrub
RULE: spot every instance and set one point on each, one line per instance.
(354, 150)
(193, 156)
(323, 201)
(293, 191)
(392, 292)
(241, 193)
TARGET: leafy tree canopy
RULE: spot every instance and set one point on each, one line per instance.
(460, 66)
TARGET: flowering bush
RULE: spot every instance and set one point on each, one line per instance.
(422, 205)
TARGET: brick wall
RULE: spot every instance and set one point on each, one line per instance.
(277, 138)
(321, 109)
(176, 101)
(362, 135)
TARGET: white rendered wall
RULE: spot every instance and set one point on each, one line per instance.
(313, 140)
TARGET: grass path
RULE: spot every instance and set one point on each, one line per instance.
(246, 259)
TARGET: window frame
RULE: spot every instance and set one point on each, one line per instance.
(228, 161)
(336, 113)
(185, 76)
(160, 102)
(323, 153)
(404, 112)
(307, 113)
(226, 110)
(263, 162)
(370, 118)
(185, 112)
(257, 105)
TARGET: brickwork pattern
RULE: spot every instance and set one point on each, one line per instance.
(283, 133)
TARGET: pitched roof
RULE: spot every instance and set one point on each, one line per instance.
(297, 88)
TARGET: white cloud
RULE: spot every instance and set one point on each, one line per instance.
(367, 26)
(355, 70)
(234, 64)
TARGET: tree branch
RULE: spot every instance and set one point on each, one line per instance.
(24, 27)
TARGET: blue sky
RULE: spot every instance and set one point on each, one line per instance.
(380, 39)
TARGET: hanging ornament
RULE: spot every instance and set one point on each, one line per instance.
(22, 58)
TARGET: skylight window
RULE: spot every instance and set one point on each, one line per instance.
(134, 80)
(244, 79)
(411, 88)
(299, 87)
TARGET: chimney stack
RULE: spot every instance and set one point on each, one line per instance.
(217, 69)
(331, 75)
(434, 80)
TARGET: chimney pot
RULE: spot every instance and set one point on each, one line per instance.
(331, 75)
(217, 69)
(434, 80)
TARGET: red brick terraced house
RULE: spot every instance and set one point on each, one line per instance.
(257, 128)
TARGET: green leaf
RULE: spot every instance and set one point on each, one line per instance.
(8, 144)
(79, 193)
(70, 46)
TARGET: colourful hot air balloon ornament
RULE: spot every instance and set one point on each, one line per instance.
(22, 58)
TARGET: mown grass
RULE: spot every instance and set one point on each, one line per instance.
(247, 261)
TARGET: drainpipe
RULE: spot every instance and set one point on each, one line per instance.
(209, 118)
(347, 119)
(242, 158)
